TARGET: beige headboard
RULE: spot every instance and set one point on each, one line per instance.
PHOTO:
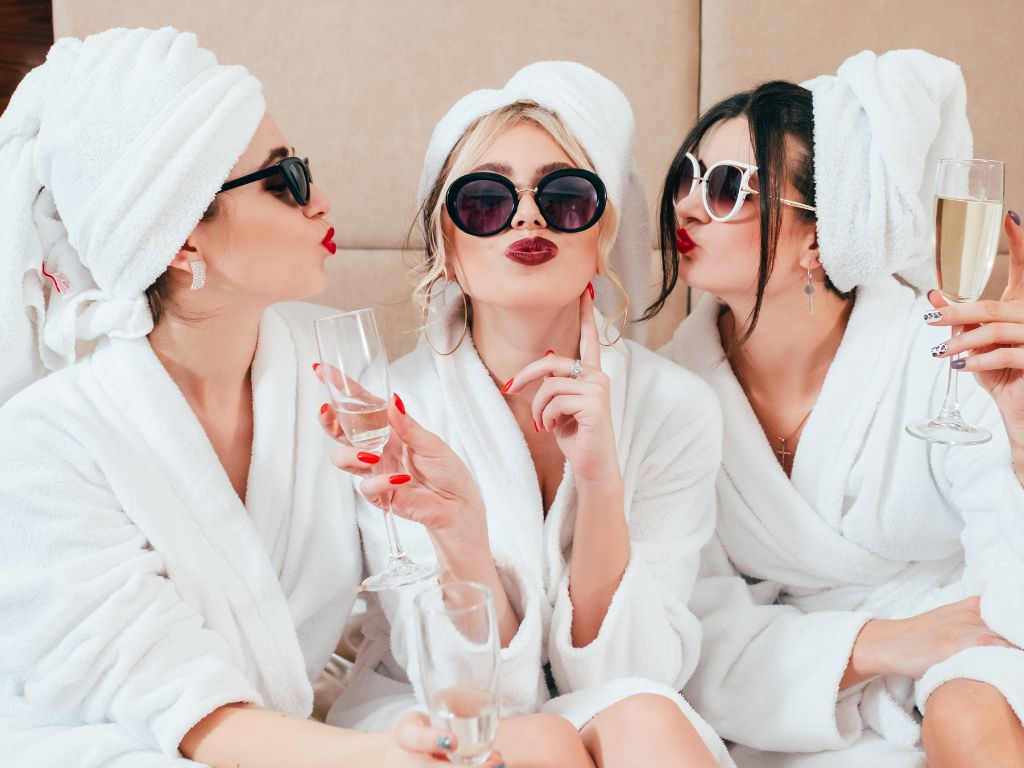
(358, 86)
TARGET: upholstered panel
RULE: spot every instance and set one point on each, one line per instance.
(747, 41)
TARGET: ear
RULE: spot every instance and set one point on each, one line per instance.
(184, 257)
(811, 258)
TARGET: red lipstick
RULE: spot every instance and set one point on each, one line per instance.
(328, 241)
(531, 251)
(684, 242)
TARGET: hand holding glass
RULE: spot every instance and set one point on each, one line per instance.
(355, 370)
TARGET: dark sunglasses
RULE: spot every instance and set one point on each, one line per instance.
(483, 204)
(294, 171)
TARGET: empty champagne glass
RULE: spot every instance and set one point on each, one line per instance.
(460, 666)
(355, 370)
(968, 213)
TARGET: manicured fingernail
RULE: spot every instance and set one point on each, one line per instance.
(939, 349)
(315, 366)
(323, 408)
(501, 765)
(549, 352)
(1016, 217)
(444, 743)
(367, 458)
(535, 428)
(399, 479)
(590, 290)
(399, 405)
(958, 364)
(932, 316)
(507, 387)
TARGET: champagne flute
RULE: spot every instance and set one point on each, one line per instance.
(460, 665)
(355, 369)
(968, 213)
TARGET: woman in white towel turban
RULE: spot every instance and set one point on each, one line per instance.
(570, 471)
(176, 563)
(840, 596)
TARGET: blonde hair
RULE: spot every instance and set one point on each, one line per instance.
(466, 155)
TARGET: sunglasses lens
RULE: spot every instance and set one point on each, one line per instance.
(723, 189)
(569, 203)
(298, 181)
(483, 207)
(684, 186)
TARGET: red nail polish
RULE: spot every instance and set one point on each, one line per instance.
(549, 352)
(507, 387)
(590, 290)
(367, 458)
(399, 405)
(399, 479)
(535, 429)
(323, 408)
(315, 366)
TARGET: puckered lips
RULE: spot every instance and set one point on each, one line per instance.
(684, 243)
(531, 251)
(328, 241)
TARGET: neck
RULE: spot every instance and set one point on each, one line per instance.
(508, 340)
(209, 360)
(790, 350)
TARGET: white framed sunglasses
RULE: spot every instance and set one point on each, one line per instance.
(726, 185)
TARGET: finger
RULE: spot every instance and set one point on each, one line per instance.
(318, 370)
(414, 734)
(936, 299)
(590, 340)
(417, 438)
(329, 422)
(495, 760)
(354, 461)
(557, 386)
(561, 407)
(982, 337)
(549, 365)
(989, 311)
(1015, 277)
(1001, 358)
(378, 485)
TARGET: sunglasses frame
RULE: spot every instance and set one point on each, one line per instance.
(279, 167)
(456, 186)
(747, 170)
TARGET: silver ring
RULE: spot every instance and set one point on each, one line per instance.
(576, 370)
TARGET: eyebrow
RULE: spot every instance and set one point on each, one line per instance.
(277, 154)
(506, 170)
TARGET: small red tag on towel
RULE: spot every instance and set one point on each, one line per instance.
(60, 280)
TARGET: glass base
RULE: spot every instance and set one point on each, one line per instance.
(948, 432)
(401, 572)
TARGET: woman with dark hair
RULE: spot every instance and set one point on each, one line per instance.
(858, 577)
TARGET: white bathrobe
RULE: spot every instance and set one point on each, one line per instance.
(667, 427)
(137, 592)
(874, 523)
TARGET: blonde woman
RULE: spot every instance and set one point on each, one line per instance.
(569, 470)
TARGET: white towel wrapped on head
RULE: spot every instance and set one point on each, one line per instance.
(113, 149)
(881, 124)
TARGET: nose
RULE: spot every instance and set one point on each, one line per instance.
(319, 204)
(528, 215)
(690, 209)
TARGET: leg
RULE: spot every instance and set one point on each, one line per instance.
(541, 741)
(645, 730)
(969, 724)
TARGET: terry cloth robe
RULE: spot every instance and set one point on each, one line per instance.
(667, 427)
(873, 523)
(137, 592)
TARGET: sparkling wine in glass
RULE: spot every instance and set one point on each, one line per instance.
(460, 665)
(355, 370)
(968, 213)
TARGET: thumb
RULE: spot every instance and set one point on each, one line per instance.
(417, 439)
(1015, 278)
(937, 299)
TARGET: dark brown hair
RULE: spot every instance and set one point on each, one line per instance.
(158, 294)
(775, 111)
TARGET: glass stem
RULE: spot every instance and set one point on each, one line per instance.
(951, 405)
(395, 551)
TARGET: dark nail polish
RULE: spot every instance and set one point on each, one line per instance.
(958, 364)
(508, 386)
(1016, 217)
(590, 290)
(367, 457)
(444, 743)
(501, 765)
(399, 405)
(399, 479)
(932, 316)
(323, 408)
(939, 349)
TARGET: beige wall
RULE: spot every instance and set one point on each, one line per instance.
(358, 86)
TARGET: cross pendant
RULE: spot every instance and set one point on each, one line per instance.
(783, 453)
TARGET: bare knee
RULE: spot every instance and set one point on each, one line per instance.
(961, 718)
(648, 711)
(542, 741)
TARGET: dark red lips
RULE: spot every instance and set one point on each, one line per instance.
(328, 241)
(531, 251)
(684, 243)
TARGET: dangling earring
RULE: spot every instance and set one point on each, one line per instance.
(426, 311)
(809, 290)
(198, 273)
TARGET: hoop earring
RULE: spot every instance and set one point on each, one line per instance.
(809, 290)
(198, 274)
(625, 313)
(426, 311)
